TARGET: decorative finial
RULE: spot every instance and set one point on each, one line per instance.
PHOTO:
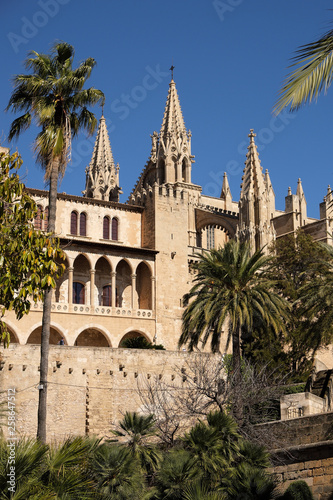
(289, 191)
(103, 109)
(252, 134)
(171, 69)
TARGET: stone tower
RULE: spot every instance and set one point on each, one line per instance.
(257, 202)
(102, 176)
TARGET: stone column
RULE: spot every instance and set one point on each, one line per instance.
(113, 288)
(134, 304)
(92, 287)
(70, 285)
(153, 285)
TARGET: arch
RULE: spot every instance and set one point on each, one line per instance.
(161, 171)
(102, 280)
(83, 224)
(133, 334)
(13, 337)
(39, 218)
(92, 337)
(74, 219)
(124, 283)
(106, 228)
(185, 170)
(36, 334)
(114, 229)
(81, 277)
(214, 236)
(144, 286)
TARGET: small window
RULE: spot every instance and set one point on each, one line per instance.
(115, 229)
(39, 218)
(106, 228)
(74, 223)
(46, 219)
(106, 297)
(83, 224)
(78, 293)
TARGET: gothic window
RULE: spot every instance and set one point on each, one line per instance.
(199, 239)
(106, 297)
(46, 219)
(210, 237)
(114, 229)
(106, 228)
(78, 293)
(83, 224)
(39, 218)
(74, 223)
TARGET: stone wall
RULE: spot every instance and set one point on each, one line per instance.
(89, 388)
(310, 463)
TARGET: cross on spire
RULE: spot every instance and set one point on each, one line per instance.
(171, 69)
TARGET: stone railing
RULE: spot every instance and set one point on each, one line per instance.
(97, 310)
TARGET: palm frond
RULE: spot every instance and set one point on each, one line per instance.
(311, 76)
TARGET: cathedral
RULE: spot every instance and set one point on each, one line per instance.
(128, 265)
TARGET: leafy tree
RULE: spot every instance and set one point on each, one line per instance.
(230, 284)
(312, 74)
(301, 267)
(54, 97)
(27, 257)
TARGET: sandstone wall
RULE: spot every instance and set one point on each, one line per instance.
(89, 388)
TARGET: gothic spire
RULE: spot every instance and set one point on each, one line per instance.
(173, 158)
(253, 180)
(102, 176)
(173, 121)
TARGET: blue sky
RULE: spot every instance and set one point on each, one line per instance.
(230, 58)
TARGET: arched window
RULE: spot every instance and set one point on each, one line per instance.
(39, 218)
(46, 219)
(106, 297)
(210, 237)
(114, 233)
(83, 224)
(78, 293)
(74, 223)
(106, 228)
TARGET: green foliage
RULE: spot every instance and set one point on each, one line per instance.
(312, 74)
(137, 429)
(298, 490)
(303, 271)
(230, 283)
(212, 462)
(28, 258)
(117, 474)
(140, 343)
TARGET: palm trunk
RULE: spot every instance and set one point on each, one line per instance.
(46, 322)
(237, 376)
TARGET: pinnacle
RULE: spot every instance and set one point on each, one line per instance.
(173, 121)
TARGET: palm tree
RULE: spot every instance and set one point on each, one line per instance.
(54, 97)
(230, 285)
(138, 429)
(117, 474)
(312, 73)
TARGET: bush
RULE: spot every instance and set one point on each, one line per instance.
(298, 490)
(140, 343)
